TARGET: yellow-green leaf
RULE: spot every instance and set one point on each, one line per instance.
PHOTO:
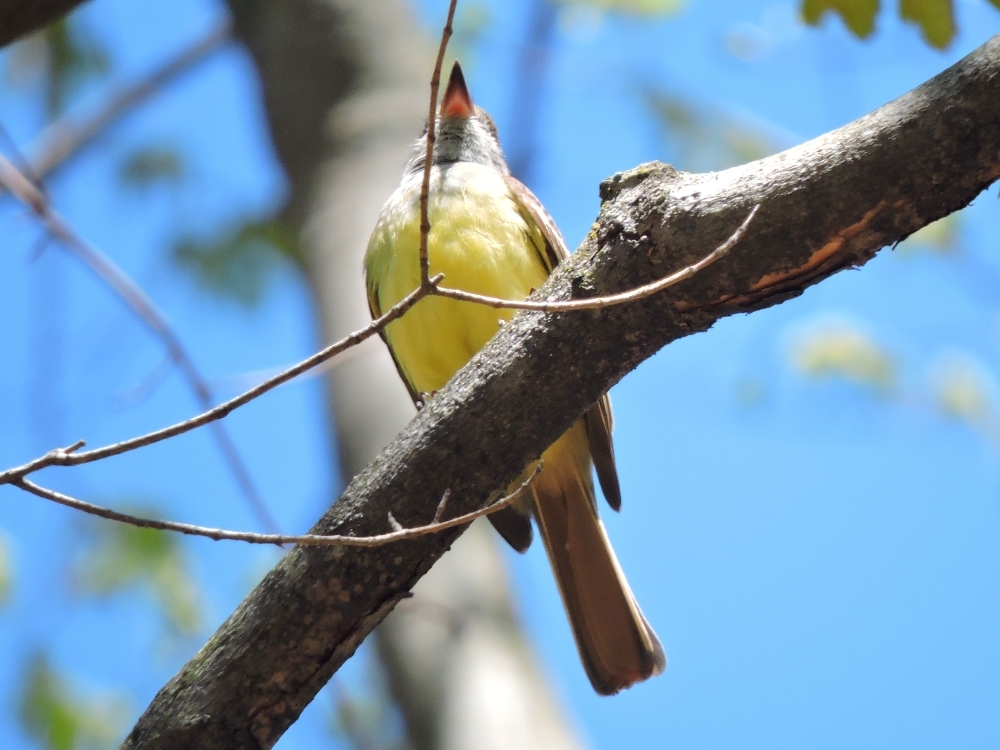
(858, 15)
(935, 18)
(940, 237)
(60, 717)
(840, 351)
(963, 391)
(641, 8)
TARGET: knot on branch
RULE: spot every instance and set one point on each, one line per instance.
(613, 186)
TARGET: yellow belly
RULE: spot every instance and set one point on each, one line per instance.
(479, 240)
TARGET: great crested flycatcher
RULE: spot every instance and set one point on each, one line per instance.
(490, 235)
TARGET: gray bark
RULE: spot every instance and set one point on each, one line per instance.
(346, 87)
(827, 205)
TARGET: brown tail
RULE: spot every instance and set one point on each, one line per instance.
(617, 646)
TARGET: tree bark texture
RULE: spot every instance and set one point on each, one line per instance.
(826, 205)
(345, 85)
(19, 18)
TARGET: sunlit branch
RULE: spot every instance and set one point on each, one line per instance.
(317, 540)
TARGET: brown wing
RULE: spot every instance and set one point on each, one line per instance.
(376, 312)
(598, 416)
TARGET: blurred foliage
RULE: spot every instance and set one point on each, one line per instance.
(640, 8)
(58, 717)
(964, 391)
(366, 718)
(940, 237)
(121, 557)
(145, 167)
(239, 264)
(59, 59)
(6, 571)
(841, 351)
(471, 21)
(857, 15)
(750, 392)
(936, 18)
(704, 137)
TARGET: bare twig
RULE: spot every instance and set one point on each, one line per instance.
(425, 187)
(333, 540)
(429, 286)
(65, 137)
(68, 456)
(442, 505)
(137, 300)
(595, 303)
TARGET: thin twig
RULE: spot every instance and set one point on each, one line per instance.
(65, 137)
(68, 456)
(595, 303)
(332, 540)
(442, 505)
(137, 300)
(65, 457)
(425, 187)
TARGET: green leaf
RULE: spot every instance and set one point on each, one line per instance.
(122, 556)
(841, 351)
(59, 717)
(935, 18)
(239, 264)
(858, 15)
(640, 8)
(145, 167)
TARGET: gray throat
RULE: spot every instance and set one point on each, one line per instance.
(471, 139)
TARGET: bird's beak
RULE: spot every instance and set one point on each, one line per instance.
(456, 101)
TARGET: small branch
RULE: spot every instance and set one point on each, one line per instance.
(596, 303)
(315, 540)
(446, 495)
(67, 456)
(66, 137)
(137, 300)
(425, 187)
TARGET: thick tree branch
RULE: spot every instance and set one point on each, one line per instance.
(827, 205)
(20, 17)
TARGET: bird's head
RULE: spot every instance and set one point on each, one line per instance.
(464, 132)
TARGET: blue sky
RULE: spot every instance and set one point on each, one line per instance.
(820, 558)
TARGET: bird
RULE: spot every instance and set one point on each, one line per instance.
(490, 235)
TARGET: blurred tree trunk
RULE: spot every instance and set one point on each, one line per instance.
(345, 85)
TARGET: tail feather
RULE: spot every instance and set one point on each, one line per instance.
(617, 646)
